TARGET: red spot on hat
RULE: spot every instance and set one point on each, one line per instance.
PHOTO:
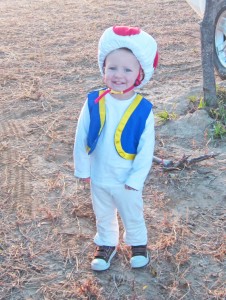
(126, 30)
(156, 60)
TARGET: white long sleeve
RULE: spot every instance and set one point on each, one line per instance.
(81, 157)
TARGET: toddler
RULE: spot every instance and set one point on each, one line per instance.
(114, 143)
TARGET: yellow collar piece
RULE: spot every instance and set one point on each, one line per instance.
(116, 92)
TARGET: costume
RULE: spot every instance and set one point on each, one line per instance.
(129, 129)
(143, 46)
(105, 166)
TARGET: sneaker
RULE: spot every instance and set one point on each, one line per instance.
(140, 257)
(102, 258)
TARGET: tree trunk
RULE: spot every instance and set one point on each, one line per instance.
(207, 49)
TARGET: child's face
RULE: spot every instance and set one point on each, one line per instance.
(121, 70)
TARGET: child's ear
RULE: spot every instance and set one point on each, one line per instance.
(141, 74)
(140, 77)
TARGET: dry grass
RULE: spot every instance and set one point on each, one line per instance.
(48, 63)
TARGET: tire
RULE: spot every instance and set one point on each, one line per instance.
(220, 43)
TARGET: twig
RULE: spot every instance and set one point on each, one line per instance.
(184, 162)
(164, 162)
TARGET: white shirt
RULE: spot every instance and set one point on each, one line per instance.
(104, 166)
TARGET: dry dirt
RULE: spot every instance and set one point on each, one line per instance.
(48, 63)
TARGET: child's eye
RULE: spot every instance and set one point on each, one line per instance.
(128, 70)
(112, 68)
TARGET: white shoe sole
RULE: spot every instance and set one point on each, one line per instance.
(139, 261)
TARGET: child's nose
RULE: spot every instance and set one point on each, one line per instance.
(118, 73)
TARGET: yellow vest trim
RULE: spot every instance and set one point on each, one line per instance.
(102, 111)
(121, 127)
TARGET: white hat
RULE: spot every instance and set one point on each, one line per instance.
(143, 46)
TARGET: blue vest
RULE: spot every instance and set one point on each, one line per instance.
(130, 127)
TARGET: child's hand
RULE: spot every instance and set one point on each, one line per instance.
(127, 187)
(85, 180)
(83, 183)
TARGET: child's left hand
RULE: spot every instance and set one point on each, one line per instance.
(127, 187)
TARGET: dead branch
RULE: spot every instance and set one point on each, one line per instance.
(184, 162)
(161, 161)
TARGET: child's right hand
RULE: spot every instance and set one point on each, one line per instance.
(83, 183)
(85, 180)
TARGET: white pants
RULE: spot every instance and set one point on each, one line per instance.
(109, 200)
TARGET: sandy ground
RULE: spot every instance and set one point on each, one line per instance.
(48, 63)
